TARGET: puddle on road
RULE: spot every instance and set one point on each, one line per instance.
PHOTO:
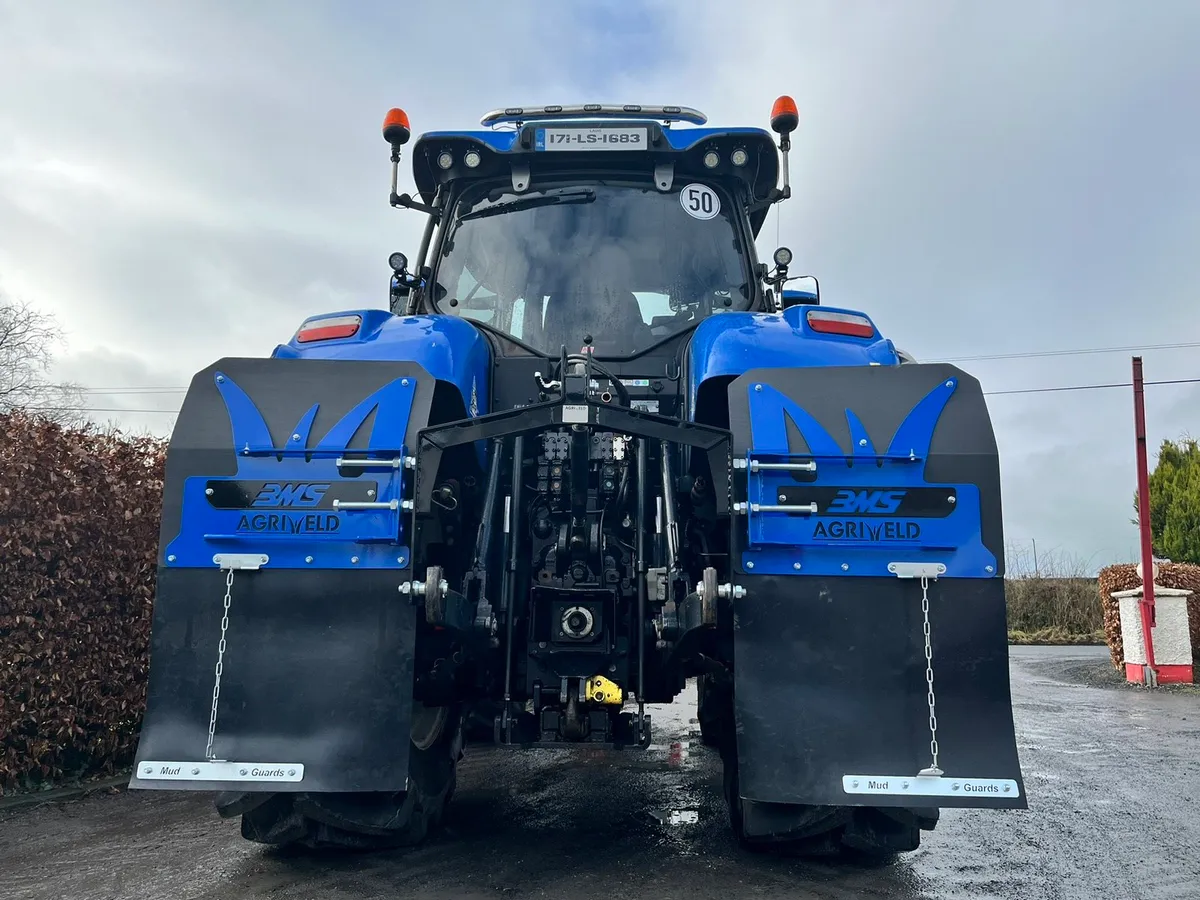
(675, 816)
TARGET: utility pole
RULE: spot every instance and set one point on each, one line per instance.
(1143, 487)
(1036, 571)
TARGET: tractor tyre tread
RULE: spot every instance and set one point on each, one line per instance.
(714, 711)
(384, 822)
(825, 831)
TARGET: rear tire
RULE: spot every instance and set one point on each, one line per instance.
(714, 711)
(805, 830)
(363, 821)
(802, 829)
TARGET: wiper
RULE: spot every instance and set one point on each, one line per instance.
(584, 196)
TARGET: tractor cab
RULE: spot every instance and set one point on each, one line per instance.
(600, 229)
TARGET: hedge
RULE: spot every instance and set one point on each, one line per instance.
(1124, 577)
(1044, 606)
(79, 513)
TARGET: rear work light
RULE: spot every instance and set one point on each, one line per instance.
(328, 328)
(846, 324)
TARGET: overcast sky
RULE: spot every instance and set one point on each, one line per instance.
(178, 185)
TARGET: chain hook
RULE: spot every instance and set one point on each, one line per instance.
(212, 719)
(933, 744)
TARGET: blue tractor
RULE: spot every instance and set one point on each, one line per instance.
(594, 449)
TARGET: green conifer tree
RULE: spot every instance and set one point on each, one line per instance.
(1175, 501)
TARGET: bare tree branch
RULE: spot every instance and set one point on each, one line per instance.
(28, 339)
(1051, 562)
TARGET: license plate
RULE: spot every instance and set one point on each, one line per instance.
(599, 138)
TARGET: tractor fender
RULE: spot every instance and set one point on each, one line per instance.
(449, 348)
(727, 345)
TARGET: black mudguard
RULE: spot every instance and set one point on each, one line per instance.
(262, 568)
(831, 691)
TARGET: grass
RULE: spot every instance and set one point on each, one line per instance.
(1054, 636)
(1054, 611)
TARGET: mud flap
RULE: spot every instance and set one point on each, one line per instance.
(281, 654)
(865, 497)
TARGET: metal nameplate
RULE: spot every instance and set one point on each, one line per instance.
(596, 138)
(283, 495)
(930, 786)
(220, 771)
(863, 501)
(575, 413)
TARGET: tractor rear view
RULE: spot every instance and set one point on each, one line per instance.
(592, 449)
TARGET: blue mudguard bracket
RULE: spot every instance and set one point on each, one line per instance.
(833, 512)
(322, 505)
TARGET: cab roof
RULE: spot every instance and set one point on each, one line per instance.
(521, 151)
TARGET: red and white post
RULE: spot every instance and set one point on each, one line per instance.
(1154, 620)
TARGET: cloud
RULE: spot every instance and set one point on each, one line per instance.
(187, 179)
(987, 179)
(183, 184)
(136, 393)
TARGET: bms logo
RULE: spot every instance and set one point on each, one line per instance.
(849, 502)
(291, 494)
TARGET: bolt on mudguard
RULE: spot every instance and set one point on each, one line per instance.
(281, 651)
(871, 648)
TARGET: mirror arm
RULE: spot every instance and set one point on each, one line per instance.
(775, 195)
(408, 202)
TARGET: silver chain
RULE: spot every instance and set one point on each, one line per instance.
(933, 744)
(212, 719)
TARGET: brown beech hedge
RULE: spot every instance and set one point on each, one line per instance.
(1124, 577)
(79, 513)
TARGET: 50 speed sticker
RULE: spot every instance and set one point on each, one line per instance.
(699, 201)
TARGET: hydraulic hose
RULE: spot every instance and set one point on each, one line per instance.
(618, 386)
(670, 524)
(514, 526)
(642, 446)
(483, 542)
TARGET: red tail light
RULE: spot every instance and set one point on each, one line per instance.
(848, 324)
(328, 328)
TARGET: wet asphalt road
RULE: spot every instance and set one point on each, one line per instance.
(1113, 775)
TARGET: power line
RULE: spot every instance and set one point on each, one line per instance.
(134, 390)
(1087, 387)
(1035, 354)
(1042, 390)
(97, 409)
